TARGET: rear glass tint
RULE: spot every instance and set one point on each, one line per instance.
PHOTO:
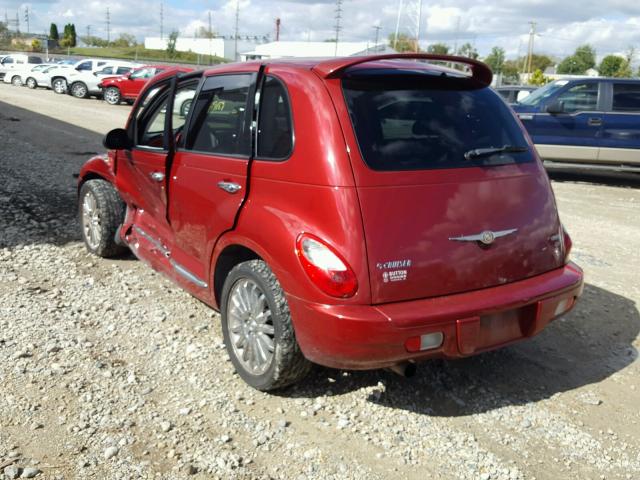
(626, 97)
(418, 122)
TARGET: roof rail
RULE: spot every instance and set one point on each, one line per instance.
(335, 67)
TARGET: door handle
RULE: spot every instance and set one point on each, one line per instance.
(157, 176)
(230, 187)
(595, 121)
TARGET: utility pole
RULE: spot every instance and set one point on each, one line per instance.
(395, 38)
(455, 43)
(418, 25)
(26, 18)
(88, 33)
(17, 22)
(210, 39)
(338, 27)
(277, 29)
(532, 33)
(377, 29)
(162, 20)
(235, 47)
(108, 26)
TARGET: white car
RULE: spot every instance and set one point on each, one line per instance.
(83, 84)
(59, 81)
(13, 67)
(41, 77)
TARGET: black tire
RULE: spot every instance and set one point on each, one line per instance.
(112, 95)
(79, 90)
(59, 85)
(16, 81)
(184, 108)
(288, 364)
(31, 83)
(110, 210)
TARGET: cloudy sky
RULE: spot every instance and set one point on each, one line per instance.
(611, 26)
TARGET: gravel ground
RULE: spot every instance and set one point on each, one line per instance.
(109, 371)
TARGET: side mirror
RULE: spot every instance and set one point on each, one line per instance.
(117, 139)
(555, 107)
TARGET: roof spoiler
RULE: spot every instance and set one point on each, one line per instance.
(334, 68)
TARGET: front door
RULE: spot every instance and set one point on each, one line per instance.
(209, 170)
(575, 133)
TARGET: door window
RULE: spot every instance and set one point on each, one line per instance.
(275, 139)
(220, 116)
(7, 60)
(580, 98)
(123, 70)
(626, 97)
(84, 66)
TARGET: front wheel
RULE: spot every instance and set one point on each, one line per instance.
(79, 90)
(31, 83)
(59, 85)
(112, 96)
(16, 81)
(257, 328)
(101, 212)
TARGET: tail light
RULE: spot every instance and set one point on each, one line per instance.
(566, 243)
(325, 267)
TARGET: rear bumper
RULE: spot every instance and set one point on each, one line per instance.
(374, 336)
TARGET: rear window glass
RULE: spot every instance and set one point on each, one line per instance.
(626, 97)
(417, 122)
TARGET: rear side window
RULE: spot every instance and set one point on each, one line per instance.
(626, 97)
(417, 122)
(580, 98)
(84, 66)
(275, 134)
(123, 70)
(220, 118)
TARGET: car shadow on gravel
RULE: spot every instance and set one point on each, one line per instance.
(585, 347)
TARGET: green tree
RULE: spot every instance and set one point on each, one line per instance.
(204, 32)
(125, 40)
(53, 32)
(468, 50)
(403, 43)
(538, 78)
(69, 37)
(611, 65)
(438, 49)
(511, 71)
(495, 59)
(36, 45)
(171, 43)
(582, 60)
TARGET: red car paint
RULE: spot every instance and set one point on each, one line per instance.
(130, 85)
(383, 224)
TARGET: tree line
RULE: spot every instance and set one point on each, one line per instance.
(582, 60)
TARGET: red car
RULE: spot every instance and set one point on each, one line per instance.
(127, 87)
(358, 212)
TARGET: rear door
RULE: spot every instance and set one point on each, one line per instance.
(425, 207)
(209, 171)
(621, 125)
(575, 133)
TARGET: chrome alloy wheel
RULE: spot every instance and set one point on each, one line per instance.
(91, 224)
(60, 86)
(250, 325)
(112, 96)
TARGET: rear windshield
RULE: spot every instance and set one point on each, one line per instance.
(416, 122)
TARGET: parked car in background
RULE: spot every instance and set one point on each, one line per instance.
(590, 122)
(127, 87)
(514, 93)
(82, 84)
(272, 231)
(13, 67)
(60, 82)
(39, 76)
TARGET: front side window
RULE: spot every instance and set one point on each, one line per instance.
(220, 123)
(538, 96)
(626, 97)
(150, 118)
(142, 73)
(122, 70)
(84, 66)
(7, 60)
(275, 133)
(418, 121)
(580, 98)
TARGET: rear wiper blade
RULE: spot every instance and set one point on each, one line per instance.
(485, 152)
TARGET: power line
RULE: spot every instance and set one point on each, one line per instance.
(377, 29)
(108, 26)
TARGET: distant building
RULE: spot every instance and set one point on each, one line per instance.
(219, 46)
(313, 49)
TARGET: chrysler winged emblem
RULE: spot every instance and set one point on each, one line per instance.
(487, 237)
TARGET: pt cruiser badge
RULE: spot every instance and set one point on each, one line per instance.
(487, 237)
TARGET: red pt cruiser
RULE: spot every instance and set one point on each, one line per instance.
(358, 213)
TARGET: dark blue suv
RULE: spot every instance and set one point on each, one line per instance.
(592, 122)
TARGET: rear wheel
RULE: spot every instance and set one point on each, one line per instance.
(112, 96)
(79, 90)
(16, 81)
(257, 328)
(101, 212)
(59, 85)
(184, 108)
(31, 83)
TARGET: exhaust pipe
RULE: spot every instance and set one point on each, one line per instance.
(404, 369)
